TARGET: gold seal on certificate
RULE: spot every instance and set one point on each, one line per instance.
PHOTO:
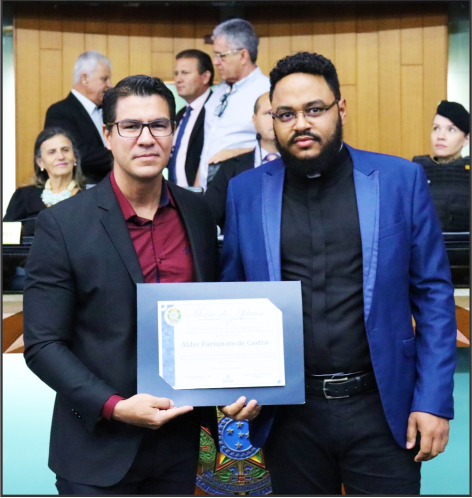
(220, 343)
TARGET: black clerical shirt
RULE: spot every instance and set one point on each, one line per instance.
(321, 246)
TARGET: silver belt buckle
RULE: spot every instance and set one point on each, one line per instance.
(326, 381)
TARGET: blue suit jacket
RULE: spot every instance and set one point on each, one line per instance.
(406, 272)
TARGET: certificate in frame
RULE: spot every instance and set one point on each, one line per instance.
(286, 296)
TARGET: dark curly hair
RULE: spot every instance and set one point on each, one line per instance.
(141, 86)
(309, 63)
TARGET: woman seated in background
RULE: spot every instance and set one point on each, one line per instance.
(58, 176)
(447, 171)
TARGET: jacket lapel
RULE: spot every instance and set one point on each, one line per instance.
(198, 123)
(272, 191)
(366, 181)
(191, 224)
(115, 226)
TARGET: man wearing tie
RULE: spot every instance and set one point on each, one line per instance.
(193, 78)
(80, 113)
(265, 151)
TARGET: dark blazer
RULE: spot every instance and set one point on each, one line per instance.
(70, 114)
(195, 144)
(218, 187)
(80, 327)
(25, 203)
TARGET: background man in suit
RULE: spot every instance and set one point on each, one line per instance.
(359, 230)
(228, 112)
(80, 306)
(80, 113)
(193, 78)
(265, 151)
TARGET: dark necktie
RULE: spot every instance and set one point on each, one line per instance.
(175, 149)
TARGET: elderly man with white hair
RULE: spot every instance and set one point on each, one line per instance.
(80, 113)
(228, 112)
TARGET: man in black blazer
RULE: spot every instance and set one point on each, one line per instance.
(265, 151)
(80, 306)
(80, 113)
(193, 79)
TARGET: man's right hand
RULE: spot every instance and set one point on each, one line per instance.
(147, 411)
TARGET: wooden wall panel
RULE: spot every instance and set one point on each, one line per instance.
(368, 83)
(95, 32)
(29, 120)
(162, 35)
(50, 34)
(73, 44)
(140, 47)
(349, 92)
(412, 37)
(50, 77)
(301, 38)
(434, 68)
(163, 66)
(412, 106)
(279, 40)
(261, 27)
(390, 108)
(184, 35)
(323, 31)
(118, 43)
(391, 59)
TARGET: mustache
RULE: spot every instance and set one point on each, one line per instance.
(297, 134)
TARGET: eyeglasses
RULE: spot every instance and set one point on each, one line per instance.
(133, 129)
(310, 113)
(220, 109)
(222, 55)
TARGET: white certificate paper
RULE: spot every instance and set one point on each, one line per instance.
(220, 343)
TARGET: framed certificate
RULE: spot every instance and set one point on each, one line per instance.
(205, 344)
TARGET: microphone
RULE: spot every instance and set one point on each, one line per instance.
(258, 138)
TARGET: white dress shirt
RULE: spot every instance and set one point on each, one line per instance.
(93, 111)
(197, 106)
(234, 128)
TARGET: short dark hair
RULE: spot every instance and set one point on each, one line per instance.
(41, 177)
(308, 63)
(204, 61)
(139, 85)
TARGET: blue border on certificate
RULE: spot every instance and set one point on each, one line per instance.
(285, 295)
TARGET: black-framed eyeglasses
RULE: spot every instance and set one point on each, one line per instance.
(312, 112)
(220, 109)
(129, 128)
(222, 55)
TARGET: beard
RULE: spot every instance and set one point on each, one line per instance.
(312, 165)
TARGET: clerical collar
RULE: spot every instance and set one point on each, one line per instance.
(335, 169)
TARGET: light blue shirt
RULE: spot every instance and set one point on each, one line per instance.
(234, 128)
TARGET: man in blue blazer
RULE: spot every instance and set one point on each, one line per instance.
(359, 230)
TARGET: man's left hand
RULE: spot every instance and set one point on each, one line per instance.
(434, 435)
(240, 411)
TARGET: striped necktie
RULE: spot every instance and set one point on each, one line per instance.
(175, 150)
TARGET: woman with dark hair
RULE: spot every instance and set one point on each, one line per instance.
(58, 176)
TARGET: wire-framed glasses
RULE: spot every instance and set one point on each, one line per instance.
(129, 128)
(222, 55)
(289, 116)
(220, 109)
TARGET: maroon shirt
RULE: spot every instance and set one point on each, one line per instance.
(162, 247)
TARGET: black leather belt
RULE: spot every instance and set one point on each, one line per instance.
(340, 387)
